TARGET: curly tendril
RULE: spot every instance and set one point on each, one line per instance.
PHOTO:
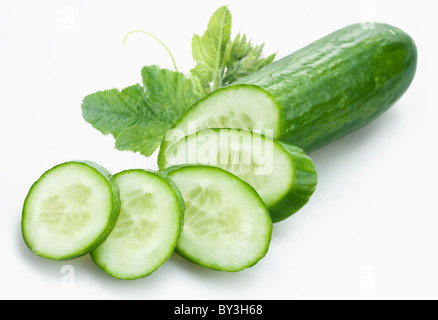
(159, 41)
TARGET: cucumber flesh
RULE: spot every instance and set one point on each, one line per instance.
(227, 226)
(274, 171)
(231, 107)
(148, 227)
(70, 210)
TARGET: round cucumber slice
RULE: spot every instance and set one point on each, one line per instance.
(241, 106)
(148, 228)
(282, 174)
(70, 210)
(227, 226)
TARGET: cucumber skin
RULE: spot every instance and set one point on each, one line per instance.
(116, 204)
(338, 83)
(178, 194)
(304, 185)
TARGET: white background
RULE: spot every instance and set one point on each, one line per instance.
(369, 232)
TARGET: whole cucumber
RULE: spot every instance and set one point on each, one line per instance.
(316, 95)
(338, 83)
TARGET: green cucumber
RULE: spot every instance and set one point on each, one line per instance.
(227, 226)
(70, 210)
(315, 95)
(282, 174)
(148, 227)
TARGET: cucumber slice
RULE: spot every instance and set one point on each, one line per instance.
(227, 226)
(70, 210)
(282, 174)
(148, 227)
(243, 107)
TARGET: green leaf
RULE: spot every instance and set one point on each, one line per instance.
(142, 139)
(168, 93)
(220, 61)
(138, 117)
(242, 59)
(209, 50)
(200, 88)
